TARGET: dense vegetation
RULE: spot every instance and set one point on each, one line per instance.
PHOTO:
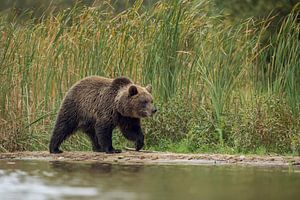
(219, 86)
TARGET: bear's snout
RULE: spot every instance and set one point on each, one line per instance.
(154, 110)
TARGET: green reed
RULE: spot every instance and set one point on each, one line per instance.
(181, 47)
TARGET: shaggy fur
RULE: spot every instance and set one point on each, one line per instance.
(97, 105)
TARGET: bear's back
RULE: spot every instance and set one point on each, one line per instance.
(98, 83)
(95, 94)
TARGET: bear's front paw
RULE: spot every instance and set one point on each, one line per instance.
(55, 151)
(111, 151)
(139, 143)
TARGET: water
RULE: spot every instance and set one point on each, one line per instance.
(45, 180)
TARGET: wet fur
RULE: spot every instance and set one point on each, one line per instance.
(92, 105)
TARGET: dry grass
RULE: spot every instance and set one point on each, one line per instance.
(222, 77)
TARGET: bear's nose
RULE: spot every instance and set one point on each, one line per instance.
(154, 110)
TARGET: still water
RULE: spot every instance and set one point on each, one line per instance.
(62, 180)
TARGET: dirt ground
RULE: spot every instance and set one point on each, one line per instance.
(162, 158)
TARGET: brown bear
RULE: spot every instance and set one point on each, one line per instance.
(97, 105)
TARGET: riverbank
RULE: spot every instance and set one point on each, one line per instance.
(160, 158)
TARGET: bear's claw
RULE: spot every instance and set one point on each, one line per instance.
(56, 151)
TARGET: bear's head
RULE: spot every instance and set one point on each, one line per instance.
(135, 101)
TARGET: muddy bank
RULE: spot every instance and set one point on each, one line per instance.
(144, 157)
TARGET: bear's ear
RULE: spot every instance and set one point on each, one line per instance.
(149, 88)
(132, 90)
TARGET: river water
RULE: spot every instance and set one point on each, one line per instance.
(45, 180)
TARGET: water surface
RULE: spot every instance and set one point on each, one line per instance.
(65, 180)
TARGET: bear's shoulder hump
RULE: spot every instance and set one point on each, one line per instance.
(121, 81)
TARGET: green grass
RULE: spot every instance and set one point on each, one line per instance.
(219, 87)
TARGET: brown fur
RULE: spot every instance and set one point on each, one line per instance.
(97, 105)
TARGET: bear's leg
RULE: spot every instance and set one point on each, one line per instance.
(132, 131)
(92, 135)
(65, 125)
(104, 136)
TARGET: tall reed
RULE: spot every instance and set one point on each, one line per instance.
(182, 48)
